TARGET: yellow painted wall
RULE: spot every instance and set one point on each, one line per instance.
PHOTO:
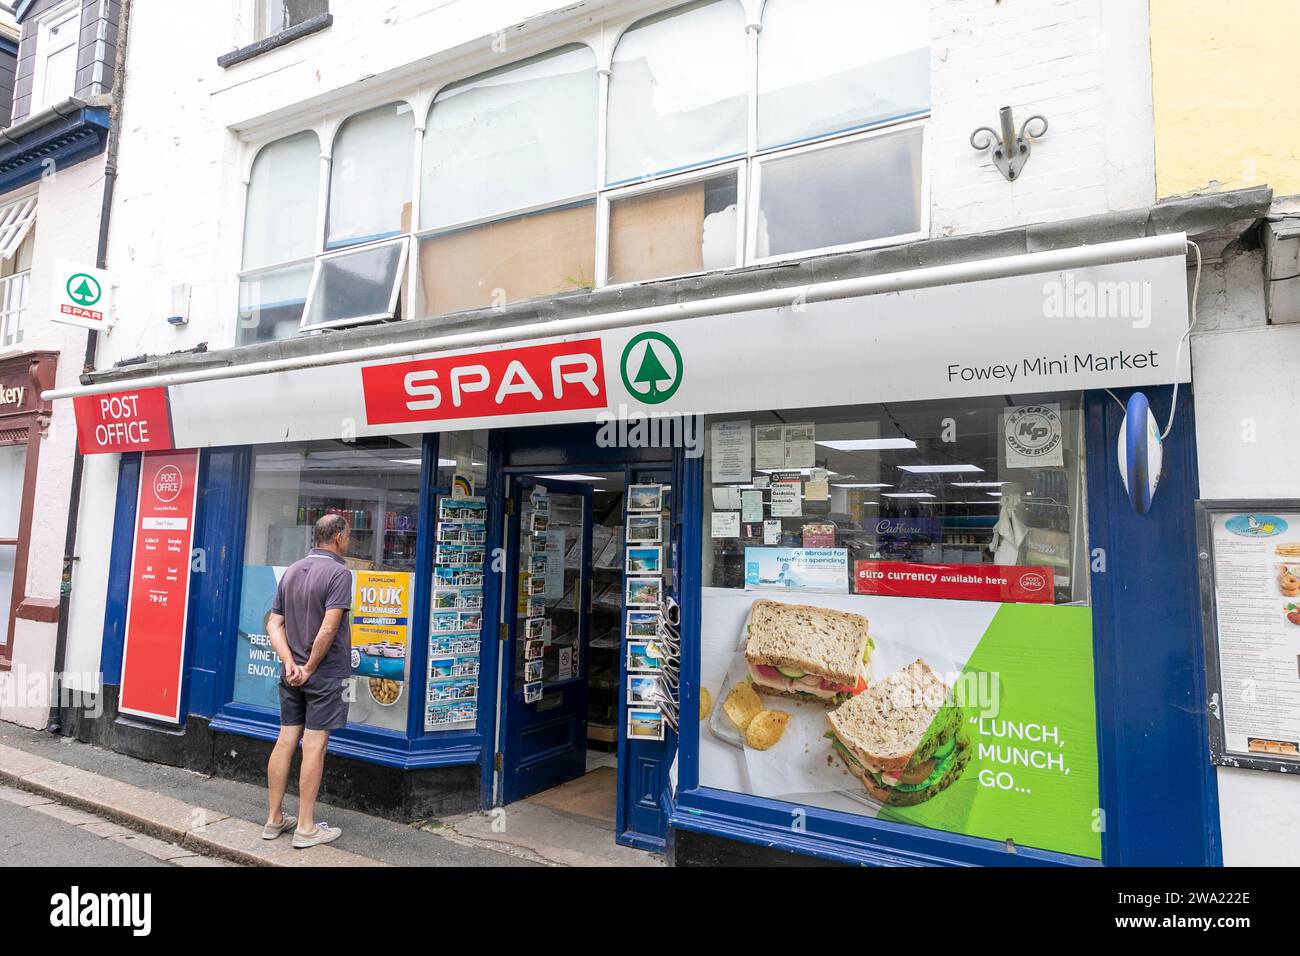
(1226, 88)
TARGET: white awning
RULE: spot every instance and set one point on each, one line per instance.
(16, 220)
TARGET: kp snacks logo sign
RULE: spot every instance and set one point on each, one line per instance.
(1034, 431)
(167, 484)
(651, 367)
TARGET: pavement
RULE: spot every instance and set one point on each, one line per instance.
(63, 801)
(38, 831)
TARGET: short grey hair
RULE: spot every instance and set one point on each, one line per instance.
(328, 528)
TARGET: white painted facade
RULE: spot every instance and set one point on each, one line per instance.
(67, 227)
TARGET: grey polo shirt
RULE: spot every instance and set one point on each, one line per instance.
(319, 582)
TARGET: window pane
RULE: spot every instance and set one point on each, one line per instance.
(8, 556)
(13, 306)
(13, 463)
(370, 175)
(462, 453)
(542, 254)
(270, 304)
(357, 285)
(280, 220)
(60, 72)
(678, 94)
(853, 192)
(673, 231)
(512, 139)
(374, 484)
(826, 66)
(276, 15)
(900, 489)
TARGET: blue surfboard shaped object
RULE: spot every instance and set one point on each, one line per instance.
(1141, 453)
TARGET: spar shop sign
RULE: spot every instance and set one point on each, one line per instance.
(556, 377)
(80, 295)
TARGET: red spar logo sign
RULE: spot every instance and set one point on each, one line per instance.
(562, 376)
(167, 483)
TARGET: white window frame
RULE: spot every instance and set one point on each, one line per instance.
(69, 12)
(16, 221)
(253, 10)
(610, 196)
(756, 176)
(748, 166)
(13, 321)
(404, 241)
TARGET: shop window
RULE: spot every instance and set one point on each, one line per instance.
(13, 464)
(678, 93)
(921, 482)
(894, 620)
(674, 230)
(375, 485)
(356, 285)
(54, 76)
(275, 16)
(516, 138)
(831, 66)
(280, 238)
(463, 453)
(370, 176)
(842, 194)
(543, 253)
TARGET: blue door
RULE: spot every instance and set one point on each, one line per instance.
(547, 610)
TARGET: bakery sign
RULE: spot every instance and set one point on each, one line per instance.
(12, 397)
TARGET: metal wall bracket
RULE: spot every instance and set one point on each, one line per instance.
(1010, 150)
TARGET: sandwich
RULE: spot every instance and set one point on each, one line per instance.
(903, 737)
(806, 652)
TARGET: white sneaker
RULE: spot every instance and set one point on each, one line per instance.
(323, 834)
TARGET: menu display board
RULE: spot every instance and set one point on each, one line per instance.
(456, 614)
(153, 651)
(1250, 602)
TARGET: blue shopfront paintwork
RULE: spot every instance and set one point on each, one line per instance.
(1157, 786)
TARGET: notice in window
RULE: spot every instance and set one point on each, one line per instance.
(769, 447)
(731, 452)
(800, 445)
(726, 524)
(1257, 597)
(787, 501)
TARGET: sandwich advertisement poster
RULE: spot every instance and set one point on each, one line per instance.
(970, 717)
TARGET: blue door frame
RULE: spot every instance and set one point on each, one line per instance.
(641, 818)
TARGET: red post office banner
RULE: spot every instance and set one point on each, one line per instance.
(556, 377)
(138, 420)
(153, 651)
(1006, 583)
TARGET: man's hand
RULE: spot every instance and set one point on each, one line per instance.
(293, 674)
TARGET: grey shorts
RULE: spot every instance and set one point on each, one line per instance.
(319, 704)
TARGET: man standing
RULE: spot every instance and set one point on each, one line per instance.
(309, 630)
